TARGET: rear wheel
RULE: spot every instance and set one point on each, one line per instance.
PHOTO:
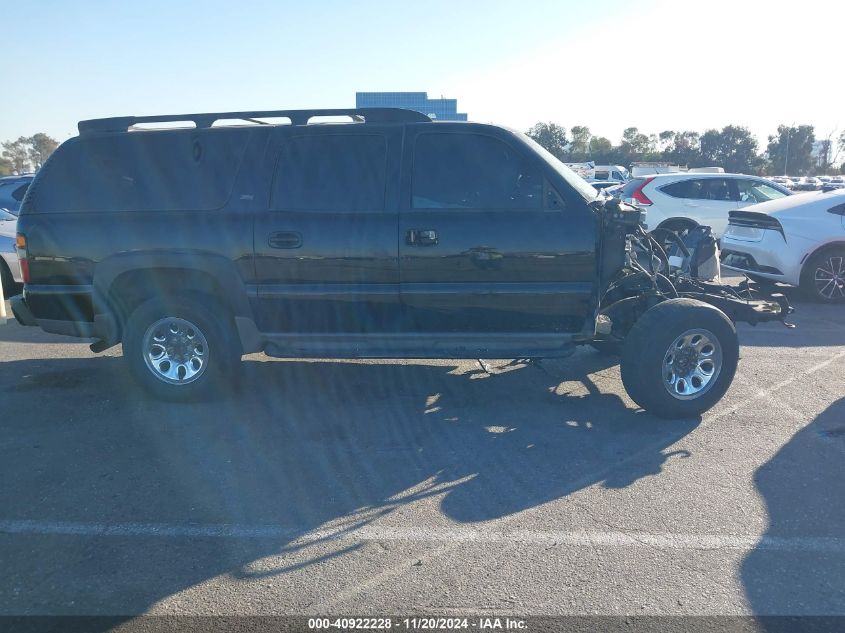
(681, 227)
(679, 358)
(180, 349)
(663, 233)
(10, 287)
(823, 276)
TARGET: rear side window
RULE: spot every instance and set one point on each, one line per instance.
(141, 171)
(20, 192)
(337, 172)
(683, 189)
(6, 191)
(754, 191)
(701, 189)
(472, 171)
(601, 175)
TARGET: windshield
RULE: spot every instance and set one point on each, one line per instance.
(577, 183)
(5, 214)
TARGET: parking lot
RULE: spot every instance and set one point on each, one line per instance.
(438, 487)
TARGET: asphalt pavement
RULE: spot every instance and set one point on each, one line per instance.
(432, 487)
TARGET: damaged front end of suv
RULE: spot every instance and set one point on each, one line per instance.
(662, 306)
(653, 267)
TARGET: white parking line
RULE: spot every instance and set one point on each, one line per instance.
(458, 534)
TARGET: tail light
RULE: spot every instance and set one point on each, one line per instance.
(20, 247)
(639, 196)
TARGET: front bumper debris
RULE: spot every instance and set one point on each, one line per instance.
(745, 302)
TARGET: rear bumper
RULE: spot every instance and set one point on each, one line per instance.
(771, 257)
(22, 313)
(103, 326)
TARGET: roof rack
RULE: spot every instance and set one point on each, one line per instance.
(297, 117)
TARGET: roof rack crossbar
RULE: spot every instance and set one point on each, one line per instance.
(297, 117)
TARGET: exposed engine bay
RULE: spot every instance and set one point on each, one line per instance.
(641, 269)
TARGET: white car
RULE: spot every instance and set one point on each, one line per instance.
(683, 200)
(10, 267)
(798, 240)
(809, 183)
(783, 181)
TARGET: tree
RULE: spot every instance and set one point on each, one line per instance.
(41, 146)
(602, 151)
(579, 149)
(635, 146)
(17, 153)
(26, 153)
(552, 137)
(825, 157)
(665, 140)
(734, 149)
(839, 147)
(791, 149)
(685, 149)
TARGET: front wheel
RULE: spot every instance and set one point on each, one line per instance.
(680, 358)
(180, 349)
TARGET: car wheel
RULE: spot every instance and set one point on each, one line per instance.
(180, 349)
(823, 276)
(661, 233)
(10, 286)
(679, 358)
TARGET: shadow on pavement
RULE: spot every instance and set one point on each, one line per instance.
(301, 444)
(803, 486)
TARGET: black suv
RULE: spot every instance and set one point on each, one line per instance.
(388, 236)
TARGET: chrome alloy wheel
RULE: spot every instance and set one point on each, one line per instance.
(830, 278)
(175, 351)
(692, 364)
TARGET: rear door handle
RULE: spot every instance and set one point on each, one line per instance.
(421, 237)
(285, 239)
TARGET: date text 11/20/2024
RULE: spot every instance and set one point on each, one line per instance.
(417, 624)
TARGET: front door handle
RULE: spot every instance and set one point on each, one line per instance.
(285, 239)
(421, 237)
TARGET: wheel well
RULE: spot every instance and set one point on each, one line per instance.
(821, 248)
(6, 276)
(686, 222)
(130, 289)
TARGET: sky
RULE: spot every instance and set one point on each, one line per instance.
(682, 65)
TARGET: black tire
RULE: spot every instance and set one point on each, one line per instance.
(648, 344)
(679, 226)
(815, 289)
(608, 347)
(217, 361)
(10, 286)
